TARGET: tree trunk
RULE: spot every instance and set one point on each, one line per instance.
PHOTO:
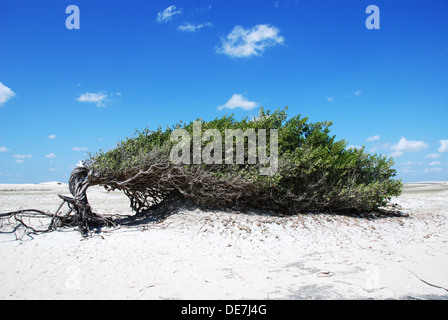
(85, 218)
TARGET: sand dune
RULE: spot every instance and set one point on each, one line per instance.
(195, 254)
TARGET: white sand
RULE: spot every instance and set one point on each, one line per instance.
(221, 255)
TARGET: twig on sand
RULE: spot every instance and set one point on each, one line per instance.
(426, 282)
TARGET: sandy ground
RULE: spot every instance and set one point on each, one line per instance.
(194, 254)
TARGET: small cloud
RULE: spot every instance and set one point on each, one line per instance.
(443, 146)
(409, 163)
(357, 93)
(52, 169)
(373, 138)
(4, 149)
(80, 149)
(5, 94)
(51, 136)
(330, 99)
(167, 14)
(190, 27)
(433, 169)
(432, 156)
(22, 156)
(242, 42)
(405, 145)
(50, 156)
(276, 4)
(202, 9)
(98, 98)
(435, 163)
(238, 101)
(396, 154)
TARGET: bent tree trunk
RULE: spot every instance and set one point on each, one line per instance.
(84, 217)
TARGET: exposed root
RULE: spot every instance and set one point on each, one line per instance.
(79, 213)
(32, 221)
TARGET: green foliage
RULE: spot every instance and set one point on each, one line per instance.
(315, 172)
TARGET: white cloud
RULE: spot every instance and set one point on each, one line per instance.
(396, 154)
(443, 146)
(242, 42)
(20, 157)
(330, 99)
(5, 94)
(50, 156)
(435, 163)
(405, 145)
(190, 27)
(202, 9)
(80, 149)
(23, 156)
(167, 14)
(373, 138)
(51, 136)
(432, 156)
(433, 169)
(238, 101)
(409, 163)
(355, 93)
(4, 149)
(99, 98)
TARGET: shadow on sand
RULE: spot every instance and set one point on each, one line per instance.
(158, 213)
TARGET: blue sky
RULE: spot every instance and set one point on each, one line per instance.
(137, 63)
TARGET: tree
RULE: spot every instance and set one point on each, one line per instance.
(313, 172)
